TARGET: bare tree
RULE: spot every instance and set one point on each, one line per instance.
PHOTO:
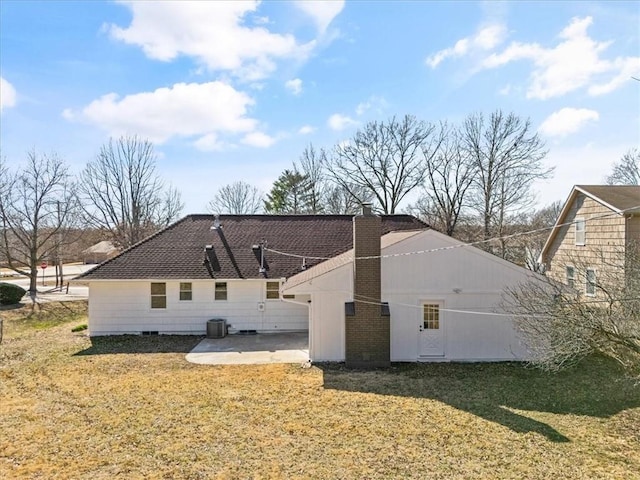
(507, 159)
(385, 159)
(340, 200)
(526, 235)
(627, 170)
(540, 221)
(124, 195)
(37, 207)
(448, 177)
(313, 166)
(238, 198)
(326, 196)
(560, 325)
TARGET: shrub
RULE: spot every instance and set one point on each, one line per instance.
(10, 294)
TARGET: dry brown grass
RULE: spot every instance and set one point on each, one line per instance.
(134, 408)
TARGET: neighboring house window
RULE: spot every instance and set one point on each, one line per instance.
(158, 295)
(571, 276)
(273, 290)
(590, 284)
(431, 316)
(580, 231)
(221, 291)
(185, 291)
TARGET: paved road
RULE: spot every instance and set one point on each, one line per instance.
(50, 294)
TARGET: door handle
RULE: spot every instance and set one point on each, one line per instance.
(420, 328)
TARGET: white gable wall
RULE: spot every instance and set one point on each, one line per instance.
(118, 307)
(326, 315)
(407, 282)
(480, 278)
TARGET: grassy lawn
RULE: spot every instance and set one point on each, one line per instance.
(134, 408)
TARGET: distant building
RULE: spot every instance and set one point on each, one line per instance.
(100, 252)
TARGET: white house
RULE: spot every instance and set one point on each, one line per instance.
(411, 294)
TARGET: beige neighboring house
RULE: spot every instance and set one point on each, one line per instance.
(100, 252)
(593, 235)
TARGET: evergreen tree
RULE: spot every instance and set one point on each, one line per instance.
(291, 193)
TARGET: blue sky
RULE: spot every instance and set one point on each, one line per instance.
(235, 91)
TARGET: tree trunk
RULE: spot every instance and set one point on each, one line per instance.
(33, 280)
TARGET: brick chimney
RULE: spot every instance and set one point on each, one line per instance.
(367, 334)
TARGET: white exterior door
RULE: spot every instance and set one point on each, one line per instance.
(431, 338)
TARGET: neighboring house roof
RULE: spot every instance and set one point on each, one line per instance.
(620, 199)
(325, 267)
(104, 247)
(178, 251)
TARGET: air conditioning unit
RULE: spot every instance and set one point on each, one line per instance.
(216, 328)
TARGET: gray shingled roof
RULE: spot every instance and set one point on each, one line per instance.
(620, 197)
(178, 251)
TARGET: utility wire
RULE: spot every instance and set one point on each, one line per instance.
(459, 245)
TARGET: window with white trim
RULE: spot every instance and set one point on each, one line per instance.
(158, 295)
(431, 316)
(571, 276)
(273, 290)
(186, 292)
(580, 225)
(221, 291)
(590, 282)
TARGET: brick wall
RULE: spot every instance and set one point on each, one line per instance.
(367, 333)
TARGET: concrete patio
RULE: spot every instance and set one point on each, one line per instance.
(254, 349)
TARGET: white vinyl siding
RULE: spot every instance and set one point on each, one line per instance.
(463, 279)
(131, 313)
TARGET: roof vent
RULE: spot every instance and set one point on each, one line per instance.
(262, 270)
(216, 222)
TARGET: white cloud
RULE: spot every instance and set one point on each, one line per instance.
(374, 102)
(575, 62)
(294, 86)
(486, 38)
(306, 130)
(184, 110)
(209, 143)
(213, 33)
(7, 94)
(506, 90)
(626, 68)
(258, 139)
(322, 12)
(566, 121)
(338, 121)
